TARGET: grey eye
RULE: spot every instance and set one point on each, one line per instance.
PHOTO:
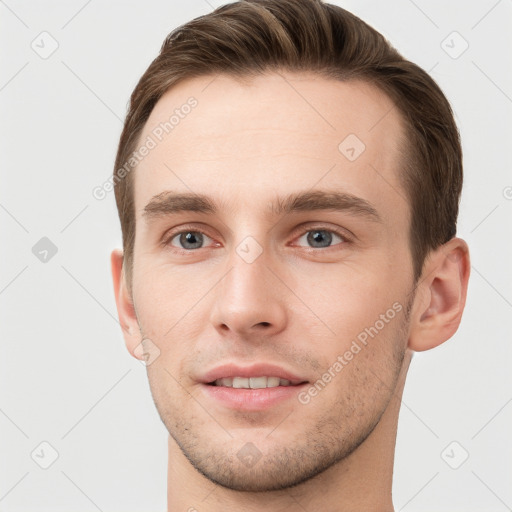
(189, 240)
(319, 238)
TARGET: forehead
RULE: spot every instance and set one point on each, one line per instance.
(273, 132)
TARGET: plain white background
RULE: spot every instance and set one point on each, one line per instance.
(66, 377)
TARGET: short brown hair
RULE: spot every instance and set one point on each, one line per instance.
(256, 36)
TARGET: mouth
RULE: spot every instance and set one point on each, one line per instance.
(250, 388)
(254, 382)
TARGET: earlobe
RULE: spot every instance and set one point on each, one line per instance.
(125, 306)
(441, 296)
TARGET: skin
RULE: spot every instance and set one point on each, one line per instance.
(298, 305)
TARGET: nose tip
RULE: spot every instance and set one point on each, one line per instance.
(248, 301)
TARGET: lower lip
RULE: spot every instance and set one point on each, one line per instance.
(251, 399)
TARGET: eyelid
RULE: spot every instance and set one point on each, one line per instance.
(345, 234)
(172, 233)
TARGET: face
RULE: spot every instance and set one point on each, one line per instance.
(272, 241)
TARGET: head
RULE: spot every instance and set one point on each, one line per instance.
(299, 210)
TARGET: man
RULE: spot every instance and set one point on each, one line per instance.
(288, 190)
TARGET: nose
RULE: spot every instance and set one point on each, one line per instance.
(250, 301)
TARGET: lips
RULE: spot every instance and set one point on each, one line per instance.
(255, 388)
(252, 382)
(256, 376)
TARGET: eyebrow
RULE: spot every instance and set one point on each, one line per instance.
(169, 203)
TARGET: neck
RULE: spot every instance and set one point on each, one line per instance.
(360, 482)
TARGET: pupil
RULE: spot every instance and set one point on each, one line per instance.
(193, 238)
(316, 237)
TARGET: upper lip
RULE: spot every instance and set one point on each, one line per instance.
(253, 370)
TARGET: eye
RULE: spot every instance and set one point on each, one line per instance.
(188, 240)
(317, 238)
(321, 238)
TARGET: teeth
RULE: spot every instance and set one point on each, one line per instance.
(258, 382)
(252, 382)
(240, 382)
(272, 382)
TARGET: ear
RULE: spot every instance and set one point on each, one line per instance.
(440, 296)
(125, 307)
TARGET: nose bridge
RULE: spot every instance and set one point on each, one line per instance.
(248, 297)
(249, 256)
(248, 280)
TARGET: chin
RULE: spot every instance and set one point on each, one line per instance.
(278, 468)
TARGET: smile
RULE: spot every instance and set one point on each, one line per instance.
(251, 382)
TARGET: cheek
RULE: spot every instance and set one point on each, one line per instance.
(339, 303)
(167, 317)
(166, 296)
(358, 376)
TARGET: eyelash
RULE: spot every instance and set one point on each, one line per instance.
(191, 229)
